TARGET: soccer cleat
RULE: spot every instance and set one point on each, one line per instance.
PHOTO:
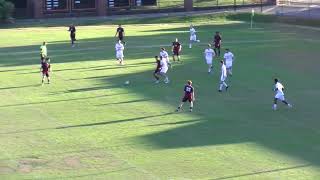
(198, 40)
(289, 105)
(190, 110)
(157, 81)
(227, 88)
(219, 90)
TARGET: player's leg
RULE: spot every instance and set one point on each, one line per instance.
(184, 99)
(174, 57)
(48, 77)
(190, 43)
(155, 74)
(219, 50)
(275, 102)
(178, 56)
(191, 106)
(284, 101)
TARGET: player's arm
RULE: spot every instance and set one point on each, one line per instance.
(180, 48)
(172, 47)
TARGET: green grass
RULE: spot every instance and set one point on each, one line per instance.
(88, 125)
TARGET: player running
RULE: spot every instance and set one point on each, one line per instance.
(165, 64)
(193, 36)
(278, 88)
(119, 52)
(228, 58)
(43, 51)
(120, 33)
(188, 96)
(72, 30)
(217, 43)
(209, 55)
(45, 69)
(223, 77)
(176, 50)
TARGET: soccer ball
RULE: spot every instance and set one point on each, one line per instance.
(127, 82)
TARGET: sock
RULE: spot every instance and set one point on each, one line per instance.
(190, 46)
(225, 84)
(220, 88)
(274, 106)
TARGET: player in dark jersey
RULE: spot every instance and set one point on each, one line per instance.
(188, 96)
(157, 70)
(45, 69)
(176, 50)
(217, 43)
(72, 30)
(120, 34)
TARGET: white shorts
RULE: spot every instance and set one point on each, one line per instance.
(279, 96)
(193, 38)
(229, 65)
(223, 78)
(164, 70)
(209, 61)
(119, 55)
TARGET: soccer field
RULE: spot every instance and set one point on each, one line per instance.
(88, 125)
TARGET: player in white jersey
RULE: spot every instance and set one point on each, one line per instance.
(119, 52)
(223, 77)
(228, 58)
(164, 64)
(278, 88)
(209, 55)
(193, 36)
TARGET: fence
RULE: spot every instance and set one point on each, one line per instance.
(299, 8)
(178, 5)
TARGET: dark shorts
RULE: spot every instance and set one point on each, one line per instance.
(73, 37)
(187, 98)
(45, 73)
(176, 53)
(217, 46)
(156, 71)
(120, 38)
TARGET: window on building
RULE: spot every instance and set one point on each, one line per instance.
(19, 3)
(84, 4)
(52, 5)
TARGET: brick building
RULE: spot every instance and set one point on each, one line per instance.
(62, 8)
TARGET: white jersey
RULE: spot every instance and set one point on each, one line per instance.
(192, 31)
(164, 55)
(119, 47)
(279, 88)
(229, 59)
(209, 53)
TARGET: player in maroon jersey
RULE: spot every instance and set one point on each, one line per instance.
(176, 50)
(156, 73)
(217, 43)
(188, 96)
(72, 30)
(45, 69)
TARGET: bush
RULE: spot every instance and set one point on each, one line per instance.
(6, 9)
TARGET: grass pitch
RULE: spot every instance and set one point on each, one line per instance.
(88, 125)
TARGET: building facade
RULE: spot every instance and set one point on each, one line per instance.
(63, 8)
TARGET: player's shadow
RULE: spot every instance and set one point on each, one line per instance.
(112, 122)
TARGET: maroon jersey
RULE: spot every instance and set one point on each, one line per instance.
(158, 66)
(188, 89)
(188, 92)
(176, 46)
(217, 39)
(45, 67)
